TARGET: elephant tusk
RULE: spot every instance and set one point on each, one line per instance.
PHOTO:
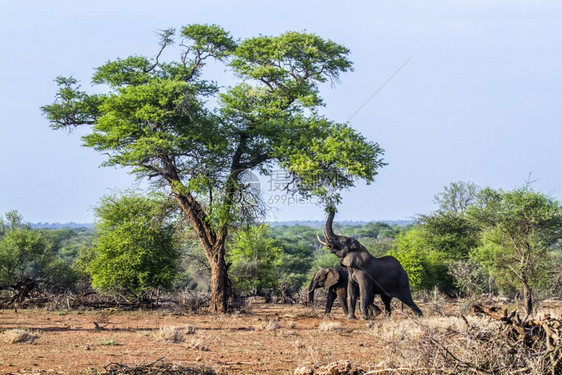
(326, 235)
(321, 242)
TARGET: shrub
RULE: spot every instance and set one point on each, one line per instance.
(330, 327)
(135, 249)
(174, 334)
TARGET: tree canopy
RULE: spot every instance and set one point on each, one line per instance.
(518, 230)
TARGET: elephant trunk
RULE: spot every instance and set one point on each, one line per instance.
(311, 289)
(331, 238)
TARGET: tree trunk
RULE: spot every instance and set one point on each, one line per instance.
(219, 282)
(212, 243)
(527, 298)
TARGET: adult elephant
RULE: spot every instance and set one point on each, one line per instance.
(335, 280)
(384, 276)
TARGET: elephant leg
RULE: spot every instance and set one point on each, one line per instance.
(366, 300)
(386, 300)
(341, 292)
(352, 291)
(330, 301)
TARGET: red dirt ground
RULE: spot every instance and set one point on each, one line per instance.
(239, 343)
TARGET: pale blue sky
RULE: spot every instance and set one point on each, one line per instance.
(480, 101)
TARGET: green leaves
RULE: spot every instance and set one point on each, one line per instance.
(521, 215)
(29, 253)
(133, 70)
(209, 39)
(255, 258)
(425, 263)
(72, 106)
(135, 248)
(519, 228)
(325, 157)
(291, 56)
(21, 250)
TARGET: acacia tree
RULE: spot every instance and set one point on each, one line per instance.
(519, 228)
(457, 197)
(155, 120)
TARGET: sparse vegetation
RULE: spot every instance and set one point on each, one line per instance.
(108, 342)
(273, 325)
(330, 327)
(174, 334)
(453, 340)
(198, 345)
(18, 336)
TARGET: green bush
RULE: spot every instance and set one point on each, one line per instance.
(27, 253)
(255, 259)
(135, 249)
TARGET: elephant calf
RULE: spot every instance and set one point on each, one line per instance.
(335, 281)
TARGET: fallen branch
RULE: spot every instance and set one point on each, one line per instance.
(543, 336)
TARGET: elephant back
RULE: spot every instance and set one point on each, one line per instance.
(387, 268)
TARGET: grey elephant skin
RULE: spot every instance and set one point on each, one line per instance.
(384, 276)
(334, 280)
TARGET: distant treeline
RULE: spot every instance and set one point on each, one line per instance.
(305, 223)
(71, 225)
(351, 223)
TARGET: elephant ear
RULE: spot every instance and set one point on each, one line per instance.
(353, 260)
(332, 278)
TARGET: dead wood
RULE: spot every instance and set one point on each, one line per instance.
(543, 336)
(157, 367)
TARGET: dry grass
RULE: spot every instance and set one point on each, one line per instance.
(330, 327)
(444, 345)
(447, 340)
(299, 344)
(335, 368)
(456, 344)
(198, 345)
(174, 334)
(18, 336)
(549, 308)
(273, 325)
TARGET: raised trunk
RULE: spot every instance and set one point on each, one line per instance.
(331, 238)
(333, 241)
